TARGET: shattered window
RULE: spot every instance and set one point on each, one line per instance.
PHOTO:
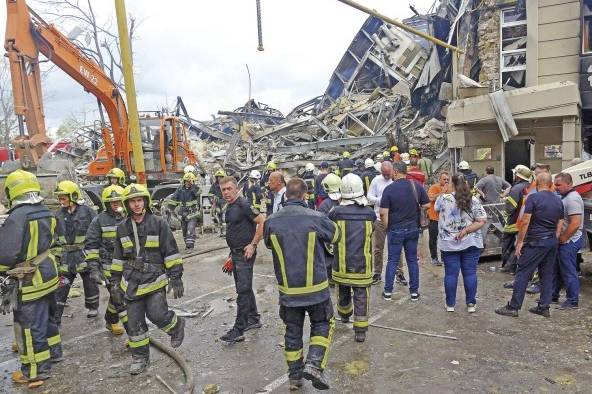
(513, 48)
(587, 28)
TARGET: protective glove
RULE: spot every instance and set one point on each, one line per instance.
(95, 275)
(117, 295)
(228, 266)
(176, 285)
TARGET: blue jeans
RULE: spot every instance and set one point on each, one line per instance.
(399, 239)
(464, 261)
(566, 274)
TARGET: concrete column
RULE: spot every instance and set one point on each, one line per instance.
(532, 43)
(570, 140)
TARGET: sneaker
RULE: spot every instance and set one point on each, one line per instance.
(537, 310)
(436, 262)
(471, 308)
(414, 296)
(507, 311)
(359, 336)
(509, 285)
(139, 365)
(92, 313)
(566, 305)
(376, 278)
(400, 279)
(533, 289)
(316, 376)
(252, 325)
(178, 333)
(294, 384)
(387, 296)
(232, 336)
(449, 308)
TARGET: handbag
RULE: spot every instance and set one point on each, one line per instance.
(423, 218)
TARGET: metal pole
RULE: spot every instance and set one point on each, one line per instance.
(400, 25)
(130, 92)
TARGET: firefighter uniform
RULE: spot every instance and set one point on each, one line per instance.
(513, 205)
(216, 197)
(72, 227)
(145, 258)
(187, 199)
(253, 194)
(352, 265)
(367, 176)
(296, 235)
(27, 235)
(310, 179)
(99, 244)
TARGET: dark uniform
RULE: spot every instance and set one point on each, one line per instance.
(99, 245)
(296, 235)
(513, 205)
(346, 166)
(352, 265)
(142, 273)
(326, 206)
(187, 199)
(470, 177)
(217, 201)
(253, 194)
(367, 176)
(72, 229)
(27, 236)
(240, 231)
(309, 178)
(320, 192)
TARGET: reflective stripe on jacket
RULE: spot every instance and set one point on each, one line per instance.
(253, 195)
(71, 237)
(100, 240)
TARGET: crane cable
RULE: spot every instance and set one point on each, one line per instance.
(259, 30)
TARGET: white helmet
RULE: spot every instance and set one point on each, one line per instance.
(309, 167)
(352, 188)
(368, 163)
(255, 175)
(463, 165)
(189, 168)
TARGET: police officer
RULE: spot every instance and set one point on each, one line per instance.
(244, 230)
(98, 246)
(116, 176)
(296, 235)
(308, 176)
(73, 222)
(368, 174)
(252, 191)
(352, 265)
(145, 260)
(346, 165)
(186, 198)
(27, 235)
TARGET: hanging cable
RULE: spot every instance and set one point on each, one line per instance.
(259, 30)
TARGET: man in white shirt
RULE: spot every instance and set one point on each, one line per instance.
(277, 185)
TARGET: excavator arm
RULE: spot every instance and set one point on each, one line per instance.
(27, 35)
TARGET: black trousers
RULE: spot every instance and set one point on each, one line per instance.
(433, 234)
(115, 312)
(188, 227)
(508, 250)
(153, 306)
(246, 306)
(322, 327)
(356, 300)
(37, 336)
(91, 293)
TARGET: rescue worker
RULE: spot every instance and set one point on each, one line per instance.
(73, 222)
(359, 167)
(368, 174)
(296, 235)
(352, 265)
(465, 168)
(145, 260)
(267, 193)
(116, 176)
(269, 168)
(27, 235)
(413, 154)
(186, 198)
(345, 165)
(386, 156)
(394, 153)
(308, 176)
(252, 191)
(406, 158)
(98, 246)
(425, 165)
(216, 199)
(320, 192)
(332, 186)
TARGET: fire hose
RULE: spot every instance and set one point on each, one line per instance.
(169, 351)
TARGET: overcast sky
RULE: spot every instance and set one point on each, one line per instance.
(198, 50)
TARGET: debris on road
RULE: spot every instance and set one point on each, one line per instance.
(427, 334)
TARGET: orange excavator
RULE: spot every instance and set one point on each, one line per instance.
(164, 138)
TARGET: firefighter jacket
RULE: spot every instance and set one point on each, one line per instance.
(187, 199)
(295, 234)
(346, 166)
(327, 205)
(352, 264)
(72, 229)
(145, 269)
(216, 191)
(253, 194)
(309, 178)
(513, 205)
(367, 177)
(28, 235)
(100, 241)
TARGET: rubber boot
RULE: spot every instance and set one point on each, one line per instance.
(360, 336)
(295, 384)
(316, 376)
(139, 365)
(116, 328)
(14, 347)
(19, 377)
(92, 313)
(178, 333)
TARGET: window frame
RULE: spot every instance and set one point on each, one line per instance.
(502, 53)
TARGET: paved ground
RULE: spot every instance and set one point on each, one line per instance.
(492, 353)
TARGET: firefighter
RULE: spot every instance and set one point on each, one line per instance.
(186, 198)
(465, 168)
(296, 235)
(386, 156)
(252, 191)
(116, 176)
(145, 260)
(271, 167)
(28, 235)
(394, 153)
(368, 174)
(216, 198)
(332, 186)
(346, 165)
(98, 246)
(308, 176)
(73, 222)
(320, 193)
(352, 264)
(359, 167)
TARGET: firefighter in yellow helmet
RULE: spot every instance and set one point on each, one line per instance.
(99, 245)
(116, 176)
(394, 153)
(186, 199)
(28, 235)
(74, 219)
(217, 200)
(145, 260)
(346, 164)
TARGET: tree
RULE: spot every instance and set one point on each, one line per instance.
(8, 120)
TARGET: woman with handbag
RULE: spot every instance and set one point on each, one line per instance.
(460, 240)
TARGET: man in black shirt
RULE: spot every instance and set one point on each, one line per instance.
(244, 228)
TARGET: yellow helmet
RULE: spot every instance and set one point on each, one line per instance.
(220, 172)
(118, 174)
(346, 154)
(394, 148)
(386, 154)
(20, 182)
(68, 188)
(136, 190)
(413, 152)
(189, 177)
(271, 166)
(112, 193)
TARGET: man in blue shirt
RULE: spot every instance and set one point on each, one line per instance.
(537, 246)
(399, 211)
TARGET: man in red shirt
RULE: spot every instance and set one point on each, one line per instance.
(414, 173)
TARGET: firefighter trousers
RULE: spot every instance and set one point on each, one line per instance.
(37, 336)
(359, 305)
(322, 327)
(91, 293)
(188, 227)
(115, 312)
(154, 307)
